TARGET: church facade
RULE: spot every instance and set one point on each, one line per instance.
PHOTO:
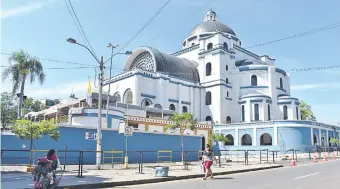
(212, 77)
(244, 95)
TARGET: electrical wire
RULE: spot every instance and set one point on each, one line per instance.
(327, 27)
(251, 4)
(82, 29)
(152, 18)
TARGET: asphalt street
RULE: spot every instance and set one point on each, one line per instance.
(311, 176)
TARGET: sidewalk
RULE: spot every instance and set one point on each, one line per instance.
(121, 177)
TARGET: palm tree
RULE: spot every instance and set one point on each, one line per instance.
(22, 66)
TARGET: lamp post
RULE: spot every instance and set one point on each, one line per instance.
(108, 94)
(99, 127)
(101, 79)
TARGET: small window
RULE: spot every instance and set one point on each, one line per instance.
(281, 83)
(228, 120)
(209, 46)
(208, 98)
(192, 44)
(208, 69)
(227, 93)
(253, 80)
(225, 46)
(269, 112)
(285, 112)
(172, 107)
(226, 67)
(297, 112)
(256, 112)
(243, 115)
(208, 118)
(226, 80)
(184, 109)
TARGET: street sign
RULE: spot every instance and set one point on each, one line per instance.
(90, 136)
(128, 131)
(121, 128)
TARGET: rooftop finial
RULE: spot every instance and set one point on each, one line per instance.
(210, 16)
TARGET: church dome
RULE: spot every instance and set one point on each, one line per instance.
(210, 24)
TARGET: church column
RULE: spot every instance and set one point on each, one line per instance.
(254, 136)
(136, 96)
(275, 136)
(263, 117)
(192, 98)
(248, 111)
(236, 142)
(311, 135)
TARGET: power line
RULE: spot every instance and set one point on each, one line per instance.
(251, 4)
(75, 22)
(328, 27)
(52, 60)
(81, 28)
(157, 13)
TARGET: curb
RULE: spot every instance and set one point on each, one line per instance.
(157, 180)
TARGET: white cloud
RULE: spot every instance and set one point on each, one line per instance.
(315, 86)
(23, 9)
(59, 91)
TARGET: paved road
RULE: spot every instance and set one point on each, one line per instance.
(311, 176)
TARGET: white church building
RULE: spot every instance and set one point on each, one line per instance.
(244, 94)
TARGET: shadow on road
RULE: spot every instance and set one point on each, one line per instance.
(223, 178)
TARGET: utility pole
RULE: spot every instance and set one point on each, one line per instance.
(99, 129)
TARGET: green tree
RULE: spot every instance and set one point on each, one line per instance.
(23, 66)
(73, 96)
(218, 137)
(9, 111)
(334, 141)
(27, 130)
(31, 105)
(306, 112)
(182, 122)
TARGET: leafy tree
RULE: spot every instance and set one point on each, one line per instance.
(334, 141)
(219, 138)
(306, 112)
(24, 67)
(8, 109)
(73, 96)
(31, 105)
(27, 130)
(182, 122)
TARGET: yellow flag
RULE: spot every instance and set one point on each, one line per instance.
(89, 91)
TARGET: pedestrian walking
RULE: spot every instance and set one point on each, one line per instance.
(208, 159)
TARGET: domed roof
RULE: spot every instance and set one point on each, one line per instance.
(152, 60)
(210, 24)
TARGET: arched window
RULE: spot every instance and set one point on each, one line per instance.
(208, 69)
(266, 140)
(243, 116)
(128, 97)
(208, 98)
(246, 140)
(269, 112)
(158, 106)
(297, 112)
(227, 93)
(253, 80)
(209, 46)
(226, 67)
(228, 119)
(192, 44)
(184, 109)
(281, 83)
(226, 80)
(230, 141)
(117, 95)
(208, 118)
(146, 102)
(172, 107)
(256, 112)
(315, 140)
(285, 112)
(225, 46)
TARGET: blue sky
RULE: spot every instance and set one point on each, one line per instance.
(42, 26)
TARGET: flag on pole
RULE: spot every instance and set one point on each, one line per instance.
(89, 94)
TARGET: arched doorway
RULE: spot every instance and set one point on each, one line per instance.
(158, 106)
(208, 118)
(315, 140)
(117, 95)
(228, 120)
(230, 141)
(172, 107)
(246, 140)
(323, 142)
(146, 102)
(266, 140)
(128, 97)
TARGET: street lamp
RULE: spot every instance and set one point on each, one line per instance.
(99, 127)
(112, 55)
(101, 79)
